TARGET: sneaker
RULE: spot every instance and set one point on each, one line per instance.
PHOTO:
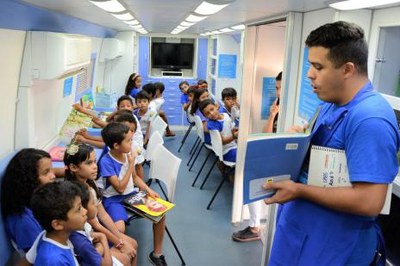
(170, 133)
(160, 261)
(246, 235)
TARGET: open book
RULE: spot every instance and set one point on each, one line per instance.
(151, 208)
(328, 168)
(272, 158)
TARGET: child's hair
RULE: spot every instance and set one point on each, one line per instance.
(182, 83)
(84, 194)
(124, 98)
(159, 86)
(279, 76)
(20, 180)
(54, 201)
(228, 92)
(126, 117)
(196, 95)
(150, 88)
(204, 104)
(131, 83)
(114, 133)
(201, 82)
(142, 95)
(82, 154)
(192, 89)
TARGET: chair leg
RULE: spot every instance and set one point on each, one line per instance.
(201, 168)
(173, 243)
(194, 152)
(216, 192)
(162, 190)
(208, 174)
(186, 135)
(194, 145)
(197, 155)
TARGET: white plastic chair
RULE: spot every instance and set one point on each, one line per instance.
(216, 142)
(158, 125)
(190, 119)
(155, 140)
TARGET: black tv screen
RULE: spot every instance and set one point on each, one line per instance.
(172, 55)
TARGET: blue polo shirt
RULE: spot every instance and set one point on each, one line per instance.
(310, 234)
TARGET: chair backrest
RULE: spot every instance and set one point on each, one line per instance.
(159, 125)
(190, 117)
(165, 167)
(199, 127)
(216, 143)
(155, 140)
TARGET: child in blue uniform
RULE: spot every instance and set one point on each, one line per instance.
(200, 95)
(230, 105)
(27, 170)
(118, 178)
(133, 85)
(57, 207)
(184, 87)
(223, 123)
(145, 114)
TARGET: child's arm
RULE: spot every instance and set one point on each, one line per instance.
(78, 107)
(120, 185)
(147, 135)
(102, 247)
(97, 143)
(228, 139)
(142, 186)
(205, 126)
(274, 110)
(186, 106)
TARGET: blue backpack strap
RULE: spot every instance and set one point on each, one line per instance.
(380, 255)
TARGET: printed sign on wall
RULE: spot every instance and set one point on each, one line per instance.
(227, 66)
(268, 96)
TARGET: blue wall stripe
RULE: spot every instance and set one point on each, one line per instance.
(17, 15)
(202, 58)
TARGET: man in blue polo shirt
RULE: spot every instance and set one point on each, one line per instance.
(336, 226)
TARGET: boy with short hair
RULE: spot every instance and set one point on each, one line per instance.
(223, 123)
(144, 113)
(158, 102)
(229, 104)
(184, 88)
(57, 207)
(117, 181)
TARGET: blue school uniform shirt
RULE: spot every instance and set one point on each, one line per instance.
(134, 91)
(23, 229)
(224, 126)
(84, 249)
(184, 98)
(310, 234)
(50, 253)
(207, 137)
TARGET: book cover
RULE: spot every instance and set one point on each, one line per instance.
(87, 101)
(73, 123)
(57, 153)
(328, 168)
(272, 158)
(148, 207)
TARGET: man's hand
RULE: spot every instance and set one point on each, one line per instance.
(285, 191)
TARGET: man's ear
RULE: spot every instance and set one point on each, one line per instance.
(57, 224)
(349, 69)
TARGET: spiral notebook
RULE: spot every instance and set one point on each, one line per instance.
(328, 168)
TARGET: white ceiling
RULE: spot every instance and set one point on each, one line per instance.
(162, 16)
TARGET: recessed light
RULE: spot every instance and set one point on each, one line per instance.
(193, 18)
(124, 16)
(110, 6)
(358, 4)
(206, 8)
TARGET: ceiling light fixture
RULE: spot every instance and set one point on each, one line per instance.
(132, 22)
(226, 30)
(187, 24)
(358, 4)
(238, 27)
(109, 5)
(206, 8)
(124, 16)
(194, 18)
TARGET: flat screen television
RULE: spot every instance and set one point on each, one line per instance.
(172, 56)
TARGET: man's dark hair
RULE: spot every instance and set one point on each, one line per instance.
(54, 201)
(228, 92)
(279, 76)
(159, 86)
(345, 41)
(204, 104)
(114, 133)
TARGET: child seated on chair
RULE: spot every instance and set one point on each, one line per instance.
(118, 178)
(58, 209)
(155, 90)
(230, 105)
(144, 114)
(185, 101)
(222, 123)
(200, 95)
(129, 120)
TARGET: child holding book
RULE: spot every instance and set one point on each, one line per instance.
(222, 123)
(58, 209)
(144, 114)
(118, 179)
(81, 167)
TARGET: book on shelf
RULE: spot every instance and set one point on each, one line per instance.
(145, 206)
(328, 168)
(272, 158)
